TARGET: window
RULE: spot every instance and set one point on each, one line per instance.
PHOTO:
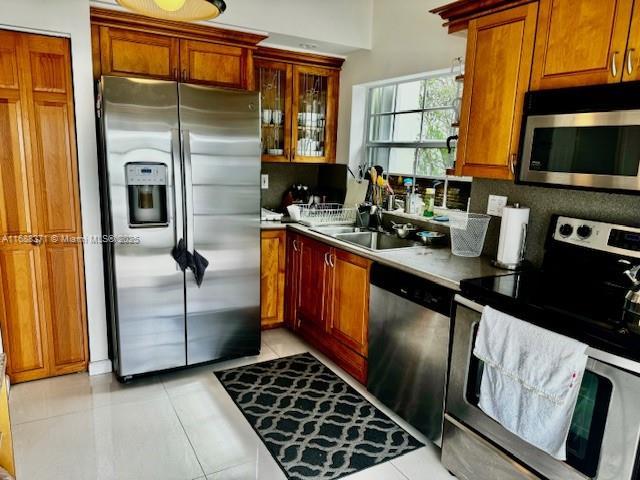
(408, 123)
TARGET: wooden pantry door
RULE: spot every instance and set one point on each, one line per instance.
(44, 320)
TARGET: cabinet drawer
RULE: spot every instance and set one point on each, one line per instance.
(469, 457)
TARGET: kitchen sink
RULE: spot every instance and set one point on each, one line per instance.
(332, 231)
(376, 240)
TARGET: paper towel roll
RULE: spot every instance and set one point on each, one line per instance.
(512, 235)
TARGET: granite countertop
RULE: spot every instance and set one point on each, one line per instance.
(438, 265)
(272, 225)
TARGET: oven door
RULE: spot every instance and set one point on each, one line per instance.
(589, 150)
(603, 440)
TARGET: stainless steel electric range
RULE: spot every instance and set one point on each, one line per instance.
(580, 291)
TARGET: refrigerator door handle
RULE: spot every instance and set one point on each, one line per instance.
(178, 195)
(188, 188)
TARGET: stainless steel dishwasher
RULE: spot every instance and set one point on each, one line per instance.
(409, 323)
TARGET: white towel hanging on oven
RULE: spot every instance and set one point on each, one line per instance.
(531, 379)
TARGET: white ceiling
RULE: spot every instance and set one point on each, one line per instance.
(336, 27)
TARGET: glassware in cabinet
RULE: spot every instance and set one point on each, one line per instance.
(315, 105)
(274, 80)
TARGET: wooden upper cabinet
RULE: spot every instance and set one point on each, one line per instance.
(131, 53)
(213, 64)
(130, 45)
(580, 42)
(497, 74)
(274, 81)
(314, 114)
(299, 94)
(349, 300)
(632, 59)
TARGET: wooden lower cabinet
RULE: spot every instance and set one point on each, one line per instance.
(328, 301)
(22, 312)
(272, 278)
(349, 300)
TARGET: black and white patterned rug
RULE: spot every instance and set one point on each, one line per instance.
(314, 424)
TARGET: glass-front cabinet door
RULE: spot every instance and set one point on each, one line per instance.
(314, 116)
(274, 81)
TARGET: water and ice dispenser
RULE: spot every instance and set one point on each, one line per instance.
(147, 192)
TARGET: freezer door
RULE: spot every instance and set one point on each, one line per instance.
(140, 125)
(221, 143)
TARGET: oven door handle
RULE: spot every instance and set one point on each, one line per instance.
(593, 353)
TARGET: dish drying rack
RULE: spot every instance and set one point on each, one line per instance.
(327, 214)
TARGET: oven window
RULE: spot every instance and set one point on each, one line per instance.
(605, 150)
(589, 419)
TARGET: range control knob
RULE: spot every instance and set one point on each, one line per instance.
(584, 231)
(566, 230)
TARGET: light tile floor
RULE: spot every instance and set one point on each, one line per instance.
(174, 426)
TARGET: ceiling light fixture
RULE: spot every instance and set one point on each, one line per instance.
(181, 10)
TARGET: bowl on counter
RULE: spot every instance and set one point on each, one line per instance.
(432, 239)
(403, 230)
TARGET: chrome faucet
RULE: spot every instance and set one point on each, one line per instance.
(366, 212)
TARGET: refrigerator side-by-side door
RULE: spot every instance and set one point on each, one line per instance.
(221, 143)
(143, 163)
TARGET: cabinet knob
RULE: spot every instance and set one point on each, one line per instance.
(36, 240)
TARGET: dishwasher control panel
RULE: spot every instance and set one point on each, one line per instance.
(413, 288)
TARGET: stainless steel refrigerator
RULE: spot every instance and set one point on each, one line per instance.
(180, 162)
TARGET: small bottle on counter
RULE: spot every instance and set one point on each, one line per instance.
(429, 202)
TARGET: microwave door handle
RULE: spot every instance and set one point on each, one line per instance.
(178, 204)
(188, 187)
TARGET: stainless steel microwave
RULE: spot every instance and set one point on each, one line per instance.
(585, 138)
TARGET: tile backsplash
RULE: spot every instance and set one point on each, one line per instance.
(331, 179)
(544, 202)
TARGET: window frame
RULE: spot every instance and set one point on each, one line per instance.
(369, 145)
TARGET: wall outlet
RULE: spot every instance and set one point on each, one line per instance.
(496, 204)
(264, 181)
